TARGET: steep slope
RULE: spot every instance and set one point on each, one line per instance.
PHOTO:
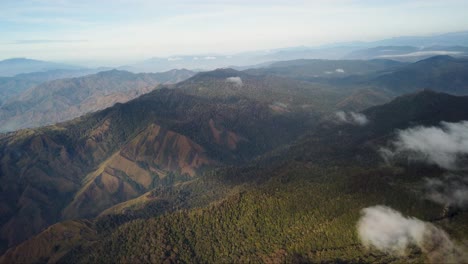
(63, 236)
(62, 100)
(78, 168)
(296, 207)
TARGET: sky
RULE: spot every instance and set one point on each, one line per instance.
(124, 31)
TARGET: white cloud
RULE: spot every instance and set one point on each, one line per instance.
(450, 190)
(237, 81)
(352, 118)
(445, 146)
(384, 229)
(163, 28)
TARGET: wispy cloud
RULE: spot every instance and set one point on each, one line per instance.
(351, 118)
(445, 146)
(40, 41)
(134, 30)
(450, 190)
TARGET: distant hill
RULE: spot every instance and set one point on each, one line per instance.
(439, 73)
(407, 53)
(13, 86)
(64, 99)
(313, 69)
(12, 67)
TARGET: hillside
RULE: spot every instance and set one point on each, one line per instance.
(65, 99)
(82, 167)
(274, 211)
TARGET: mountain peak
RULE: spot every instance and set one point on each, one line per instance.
(20, 60)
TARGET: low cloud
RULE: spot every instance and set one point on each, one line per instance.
(352, 118)
(445, 146)
(451, 190)
(237, 81)
(384, 229)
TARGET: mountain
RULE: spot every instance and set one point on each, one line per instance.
(446, 39)
(408, 49)
(13, 86)
(64, 99)
(164, 138)
(263, 165)
(297, 207)
(311, 69)
(12, 67)
(407, 53)
(439, 73)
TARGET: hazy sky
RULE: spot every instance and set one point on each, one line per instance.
(121, 31)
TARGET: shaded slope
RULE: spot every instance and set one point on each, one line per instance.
(126, 150)
(293, 209)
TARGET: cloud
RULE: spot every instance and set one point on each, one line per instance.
(174, 59)
(422, 53)
(444, 146)
(340, 71)
(209, 58)
(451, 190)
(237, 81)
(384, 229)
(352, 118)
(47, 41)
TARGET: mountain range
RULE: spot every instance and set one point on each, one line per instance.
(14, 66)
(262, 205)
(64, 99)
(299, 161)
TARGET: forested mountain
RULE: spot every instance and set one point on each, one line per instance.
(82, 167)
(241, 166)
(269, 210)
